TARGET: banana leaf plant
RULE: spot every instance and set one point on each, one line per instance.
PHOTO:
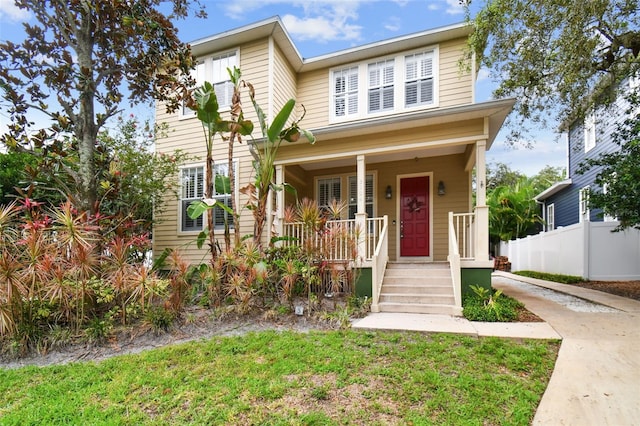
(207, 110)
(265, 154)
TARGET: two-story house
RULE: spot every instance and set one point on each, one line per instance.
(566, 202)
(398, 134)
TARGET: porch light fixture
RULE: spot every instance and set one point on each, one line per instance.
(441, 188)
(388, 194)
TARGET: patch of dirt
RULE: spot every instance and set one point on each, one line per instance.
(524, 315)
(196, 323)
(630, 289)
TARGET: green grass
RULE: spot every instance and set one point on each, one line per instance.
(558, 278)
(272, 378)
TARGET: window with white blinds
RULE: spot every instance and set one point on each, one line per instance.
(392, 84)
(345, 92)
(419, 79)
(328, 189)
(192, 189)
(353, 196)
(220, 77)
(381, 86)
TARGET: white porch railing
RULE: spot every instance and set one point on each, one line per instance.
(379, 261)
(338, 239)
(463, 229)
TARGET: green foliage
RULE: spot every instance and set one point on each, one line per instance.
(159, 318)
(558, 278)
(98, 330)
(133, 53)
(512, 211)
(13, 174)
(490, 306)
(390, 377)
(550, 55)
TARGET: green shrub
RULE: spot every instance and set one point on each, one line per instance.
(558, 278)
(98, 329)
(159, 318)
(490, 306)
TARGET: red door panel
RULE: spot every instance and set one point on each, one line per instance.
(414, 216)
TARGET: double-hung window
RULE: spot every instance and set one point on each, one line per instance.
(220, 77)
(329, 189)
(381, 86)
(353, 196)
(192, 189)
(419, 84)
(345, 92)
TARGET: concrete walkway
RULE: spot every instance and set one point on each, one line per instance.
(596, 380)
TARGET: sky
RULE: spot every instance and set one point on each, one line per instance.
(319, 27)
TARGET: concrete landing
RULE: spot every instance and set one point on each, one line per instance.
(449, 324)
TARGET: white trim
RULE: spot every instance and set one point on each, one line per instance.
(270, 83)
(429, 258)
(584, 213)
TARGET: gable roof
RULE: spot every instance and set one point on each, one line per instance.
(273, 27)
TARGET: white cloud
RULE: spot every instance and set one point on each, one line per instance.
(483, 74)
(454, 7)
(393, 23)
(9, 11)
(322, 20)
(433, 6)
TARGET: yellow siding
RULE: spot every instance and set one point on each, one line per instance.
(284, 81)
(455, 85)
(314, 94)
(449, 169)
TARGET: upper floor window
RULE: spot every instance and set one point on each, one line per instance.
(589, 131)
(214, 70)
(388, 85)
(345, 92)
(381, 86)
(221, 79)
(419, 79)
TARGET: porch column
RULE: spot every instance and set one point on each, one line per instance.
(278, 223)
(361, 214)
(482, 211)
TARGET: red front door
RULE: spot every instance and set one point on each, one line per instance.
(414, 216)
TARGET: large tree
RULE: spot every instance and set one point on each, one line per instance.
(80, 60)
(555, 57)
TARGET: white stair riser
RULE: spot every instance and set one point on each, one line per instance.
(417, 308)
(431, 289)
(431, 299)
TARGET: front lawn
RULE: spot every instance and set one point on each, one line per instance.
(284, 378)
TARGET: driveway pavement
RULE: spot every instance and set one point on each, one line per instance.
(596, 380)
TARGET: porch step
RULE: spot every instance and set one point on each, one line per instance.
(418, 288)
(418, 308)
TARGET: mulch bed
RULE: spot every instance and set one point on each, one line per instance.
(630, 289)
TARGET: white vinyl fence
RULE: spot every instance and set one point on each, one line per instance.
(587, 249)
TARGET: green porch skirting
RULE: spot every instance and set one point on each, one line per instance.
(475, 276)
(363, 282)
